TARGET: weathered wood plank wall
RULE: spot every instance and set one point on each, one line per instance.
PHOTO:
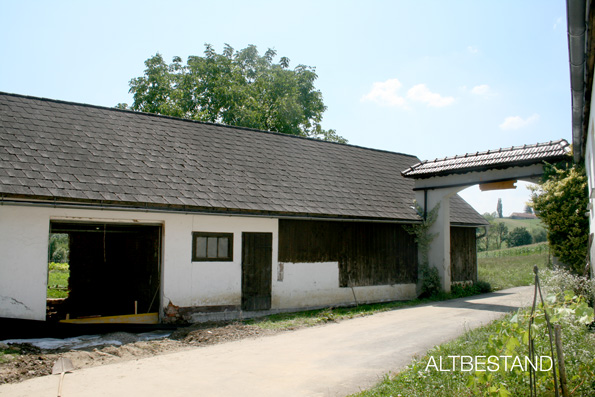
(368, 253)
(463, 254)
(256, 270)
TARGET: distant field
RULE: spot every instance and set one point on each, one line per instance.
(530, 224)
(512, 267)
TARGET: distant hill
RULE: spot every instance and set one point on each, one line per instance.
(522, 215)
(531, 225)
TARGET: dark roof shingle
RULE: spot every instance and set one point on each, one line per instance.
(74, 152)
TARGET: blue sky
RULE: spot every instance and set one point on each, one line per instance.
(429, 78)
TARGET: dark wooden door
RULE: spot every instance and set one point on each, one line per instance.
(257, 263)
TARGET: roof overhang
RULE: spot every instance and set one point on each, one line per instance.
(189, 210)
(517, 162)
(530, 173)
(581, 58)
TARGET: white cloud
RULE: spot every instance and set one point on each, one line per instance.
(517, 122)
(421, 93)
(483, 90)
(558, 22)
(385, 93)
(473, 50)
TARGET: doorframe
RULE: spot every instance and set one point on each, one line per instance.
(132, 222)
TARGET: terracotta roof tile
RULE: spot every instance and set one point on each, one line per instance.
(554, 151)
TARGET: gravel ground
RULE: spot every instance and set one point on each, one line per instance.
(25, 361)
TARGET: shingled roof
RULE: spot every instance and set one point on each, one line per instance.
(516, 156)
(76, 153)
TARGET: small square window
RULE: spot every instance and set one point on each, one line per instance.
(212, 246)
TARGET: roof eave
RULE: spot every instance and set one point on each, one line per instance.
(10, 199)
(523, 163)
(580, 73)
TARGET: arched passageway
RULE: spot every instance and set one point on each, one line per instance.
(438, 180)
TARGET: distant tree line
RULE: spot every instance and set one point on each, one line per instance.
(498, 235)
(560, 201)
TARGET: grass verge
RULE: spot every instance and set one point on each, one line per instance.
(435, 375)
(58, 274)
(441, 371)
(316, 317)
(8, 353)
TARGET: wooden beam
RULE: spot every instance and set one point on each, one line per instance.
(502, 185)
(145, 318)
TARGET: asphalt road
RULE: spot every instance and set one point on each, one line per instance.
(332, 360)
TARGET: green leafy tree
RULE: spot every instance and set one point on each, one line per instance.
(560, 201)
(486, 237)
(58, 248)
(519, 236)
(539, 235)
(500, 232)
(240, 88)
(499, 208)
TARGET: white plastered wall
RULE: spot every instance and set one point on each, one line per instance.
(439, 250)
(220, 283)
(590, 168)
(305, 285)
(24, 234)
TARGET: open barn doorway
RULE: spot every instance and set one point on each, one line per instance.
(114, 272)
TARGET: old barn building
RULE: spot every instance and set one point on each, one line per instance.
(182, 218)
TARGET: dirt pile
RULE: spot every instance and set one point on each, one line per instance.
(24, 361)
(209, 334)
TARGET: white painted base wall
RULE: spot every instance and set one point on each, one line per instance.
(24, 235)
(306, 285)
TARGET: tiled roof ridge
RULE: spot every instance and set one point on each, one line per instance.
(546, 151)
(491, 151)
(198, 122)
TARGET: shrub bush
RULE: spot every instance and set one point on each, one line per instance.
(561, 202)
(483, 287)
(557, 281)
(461, 290)
(430, 282)
(519, 236)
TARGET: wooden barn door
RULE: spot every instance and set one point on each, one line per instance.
(257, 263)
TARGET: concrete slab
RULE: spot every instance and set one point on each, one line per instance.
(332, 360)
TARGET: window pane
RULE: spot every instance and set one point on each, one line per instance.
(212, 247)
(201, 247)
(223, 247)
